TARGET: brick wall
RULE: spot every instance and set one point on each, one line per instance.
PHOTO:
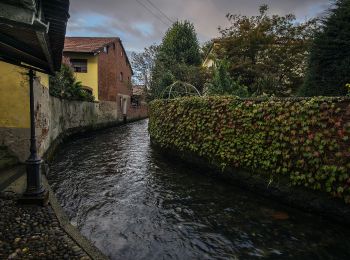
(138, 112)
(110, 65)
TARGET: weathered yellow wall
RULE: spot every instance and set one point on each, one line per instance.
(14, 95)
(43, 78)
(89, 79)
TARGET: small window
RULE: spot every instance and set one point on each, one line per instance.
(121, 76)
(113, 46)
(105, 49)
(79, 65)
(121, 53)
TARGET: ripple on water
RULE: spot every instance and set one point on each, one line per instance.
(135, 204)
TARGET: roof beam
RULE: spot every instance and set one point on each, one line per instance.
(21, 16)
(31, 4)
(43, 40)
(20, 64)
(28, 3)
(45, 46)
(16, 14)
(20, 48)
(28, 18)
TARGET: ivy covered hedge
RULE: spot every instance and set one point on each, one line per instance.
(304, 139)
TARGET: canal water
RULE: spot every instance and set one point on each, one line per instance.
(135, 204)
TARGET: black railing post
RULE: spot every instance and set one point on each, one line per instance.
(35, 192)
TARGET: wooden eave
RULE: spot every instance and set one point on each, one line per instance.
(32, 33)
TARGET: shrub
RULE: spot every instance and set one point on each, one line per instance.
(304, 139)
(223, 84)
(64, 85)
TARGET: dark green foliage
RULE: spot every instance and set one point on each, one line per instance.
(329, 64)
(164, 80)
(304, 139)
(64, 85)
(180, 45)
(178, 59)
(222, 83)
(268, 53)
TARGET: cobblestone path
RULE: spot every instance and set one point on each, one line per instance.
(33, 232)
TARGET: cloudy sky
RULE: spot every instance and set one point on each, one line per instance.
(139, 23)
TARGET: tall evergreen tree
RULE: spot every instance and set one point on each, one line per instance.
(329, 62)
(178, 59)
(180, 45)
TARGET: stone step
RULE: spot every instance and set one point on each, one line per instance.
(7, 160)
(13, 180)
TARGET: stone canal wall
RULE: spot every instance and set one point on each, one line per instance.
(57, 118)
(296, 150)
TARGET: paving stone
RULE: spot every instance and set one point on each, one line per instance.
(33, 232)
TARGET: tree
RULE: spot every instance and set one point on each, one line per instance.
(143, 64)
(329, 62)
(178, 59)
(180, 45)
(64, 85)
(268, 53)
(222, 83)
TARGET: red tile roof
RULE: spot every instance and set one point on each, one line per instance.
(87, 44)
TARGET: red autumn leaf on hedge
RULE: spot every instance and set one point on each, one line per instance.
(341, 133)
(338, 123)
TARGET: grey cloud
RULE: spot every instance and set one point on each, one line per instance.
(122, 16)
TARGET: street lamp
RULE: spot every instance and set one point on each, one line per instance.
(35, 192)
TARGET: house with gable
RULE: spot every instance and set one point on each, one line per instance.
(103, 67)
(209, 59)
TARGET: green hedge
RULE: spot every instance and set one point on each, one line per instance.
(305, 139)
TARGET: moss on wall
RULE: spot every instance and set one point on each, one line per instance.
(304, 139)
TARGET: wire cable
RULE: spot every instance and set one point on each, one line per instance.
(155, 15)
(167, 17)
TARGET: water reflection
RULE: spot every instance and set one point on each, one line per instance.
(135, 204)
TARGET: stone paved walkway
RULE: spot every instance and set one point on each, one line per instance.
(33, 232)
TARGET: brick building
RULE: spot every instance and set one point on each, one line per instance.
(103, 67)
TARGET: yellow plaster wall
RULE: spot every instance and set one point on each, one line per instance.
(89, 79)
(43, 78)
(14, 95)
